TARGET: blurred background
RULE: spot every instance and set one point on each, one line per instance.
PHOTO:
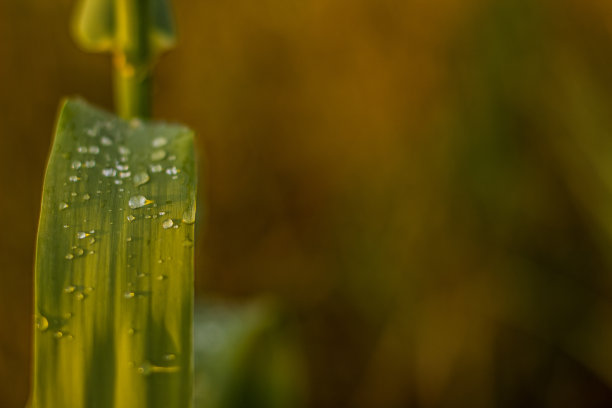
(422, 189)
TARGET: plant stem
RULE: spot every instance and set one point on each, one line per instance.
(133, 59)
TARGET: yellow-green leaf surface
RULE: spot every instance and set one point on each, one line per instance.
(114, 264)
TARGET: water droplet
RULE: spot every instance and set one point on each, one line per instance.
(131, 331)
(86, 197)
(63, 206)
(93, 132)
(122, 167)
(69, 289)
(79, 251)
(156, 168)
(124, 174)
(170, 357)
(140, 178)
(73, 178)
(129, 239)
(159, 142)
(41, 322)
(92, 241)
(94, 149)
(162, 213)
(69, 256)
(145, 368)
(161, 277)
(123, 150)
(168, 223)
(109, 172)
(76, 165)
(130, 218)
(129, 295)
(58, 334)
(66, 226)
(135, 123)
(82, 149)
(189, 215)
(118, 182)
(73, 194)
(80, 295)
(172, 170)
(105, 141)
(82, 234)
(158, 155)
(90, 164)
(138, 201)
(173, 157)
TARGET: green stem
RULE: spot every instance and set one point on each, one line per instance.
(133, 59)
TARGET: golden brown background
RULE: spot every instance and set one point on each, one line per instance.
(425, 184)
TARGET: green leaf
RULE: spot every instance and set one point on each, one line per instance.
(114, 264)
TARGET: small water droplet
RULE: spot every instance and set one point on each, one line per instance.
(156, 168)
(129, 239)
(130, 218)
(92, 241)
(122, 167)
(138, 201)
(69, 289)
(73, 194)
(82, 149)
(131, 331)
(94, 149)
(118, 181)
(82, 234)
(76, 165)
(73, 178)
(124, 174)
(123, 150)
(129, 295)
(173, 157)
(140, 178)
(41, 322)
(168, 223)
(86, 196)
(161, 277)
(63, 206)
(79, 251)
(58, 334)
(69, 256)
(159, 142)
(109, 172)
(158, 155)
(145, 368)
(170, 357)
(172, 171)
(90, 164)
(80, 295)
(105, 141)
(66, 226)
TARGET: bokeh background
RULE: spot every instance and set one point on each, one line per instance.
(424, 187)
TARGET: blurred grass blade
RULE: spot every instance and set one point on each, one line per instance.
(94, 25)
(114, 264)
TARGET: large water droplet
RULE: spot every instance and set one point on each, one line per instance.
(41, 322)
(158, 155)
(140, 178)
(189, 215)
(159, 142)
(156, 168)
(167, 223)
(138, 201)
